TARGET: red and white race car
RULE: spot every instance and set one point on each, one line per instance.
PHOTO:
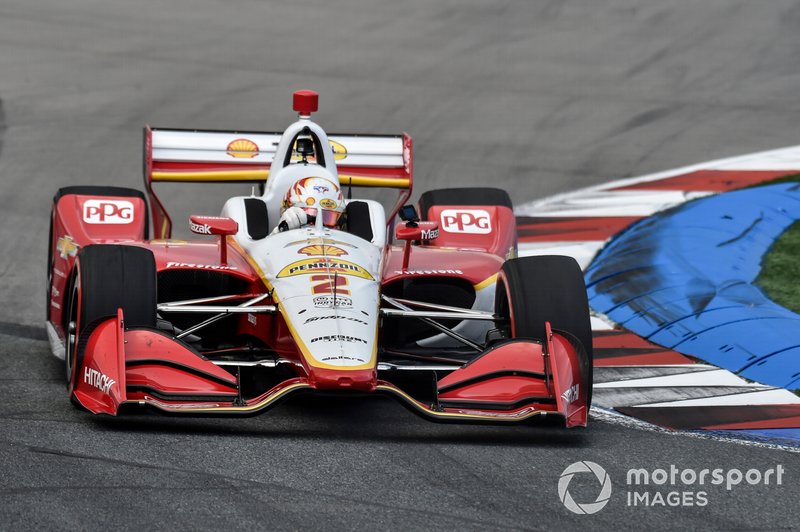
(234, 322)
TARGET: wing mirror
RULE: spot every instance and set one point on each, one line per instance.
(413, 228)
(408, 213)
(215, 225)
(423, 231)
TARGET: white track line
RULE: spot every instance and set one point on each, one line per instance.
(608, 416)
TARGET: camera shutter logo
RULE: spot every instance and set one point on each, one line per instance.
(590, 507)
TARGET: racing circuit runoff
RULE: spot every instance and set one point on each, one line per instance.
(427, 304)
(535, 98)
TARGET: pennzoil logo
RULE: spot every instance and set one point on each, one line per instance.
(322, 249)
(242, 149)
(67, 247)
(327, 203)
(339, 151)
(325, 265)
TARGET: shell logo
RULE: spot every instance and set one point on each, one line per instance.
(330, 251)
(339, 151)
(242, 149)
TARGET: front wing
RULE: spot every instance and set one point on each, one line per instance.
(513, 382)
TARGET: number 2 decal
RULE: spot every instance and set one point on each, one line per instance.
(325, 284)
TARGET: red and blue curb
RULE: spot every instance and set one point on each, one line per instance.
(683, 339)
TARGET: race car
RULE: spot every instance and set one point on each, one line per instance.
(427, 304)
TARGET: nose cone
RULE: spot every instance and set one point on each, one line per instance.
(349, 380)
(327, 289)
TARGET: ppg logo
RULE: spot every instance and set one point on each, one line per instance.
(107, 211)
(476, 221)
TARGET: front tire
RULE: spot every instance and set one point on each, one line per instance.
(533, 290)
(107, 277)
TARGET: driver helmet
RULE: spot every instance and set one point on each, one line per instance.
(316, 195)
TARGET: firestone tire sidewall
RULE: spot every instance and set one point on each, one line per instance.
(548, 288)
(107, 277)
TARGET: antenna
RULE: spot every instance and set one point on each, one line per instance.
(305, 102)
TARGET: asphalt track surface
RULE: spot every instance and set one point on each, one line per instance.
(536, 97)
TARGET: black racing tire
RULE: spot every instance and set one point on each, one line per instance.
(50, 245)
(463, 196)
(85, 190)
(105, 278)
(96, 190)
(532, 290)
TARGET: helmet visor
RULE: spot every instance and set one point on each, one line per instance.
(329, 218)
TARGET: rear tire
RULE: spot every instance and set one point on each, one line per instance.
(84, 190)
(50, 245)
(107, 277)
(463, 196)
(533, 290)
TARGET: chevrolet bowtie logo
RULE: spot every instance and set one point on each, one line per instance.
(67, 247)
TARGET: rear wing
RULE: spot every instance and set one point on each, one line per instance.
(190, 156)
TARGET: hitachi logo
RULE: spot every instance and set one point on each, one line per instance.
(92, 377)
